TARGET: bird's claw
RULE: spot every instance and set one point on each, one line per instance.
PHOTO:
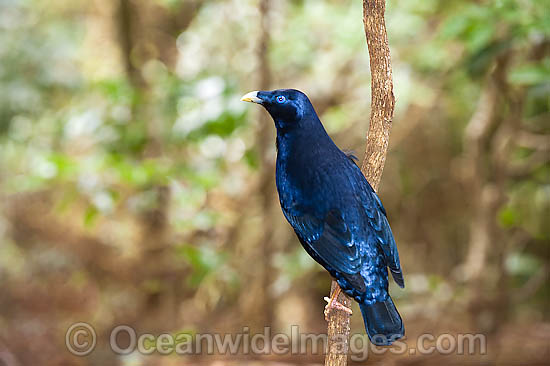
(334, 304)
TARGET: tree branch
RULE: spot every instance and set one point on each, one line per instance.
(382, 100)
(382, 106)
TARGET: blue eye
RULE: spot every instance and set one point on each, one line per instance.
(281, 99)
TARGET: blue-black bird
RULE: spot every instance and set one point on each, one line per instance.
(334, 211)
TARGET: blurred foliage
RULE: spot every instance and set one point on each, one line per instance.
(131, 173)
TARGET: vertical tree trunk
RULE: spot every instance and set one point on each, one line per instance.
(125, 28)
(382, 106)
(264, 138)
(261, 306)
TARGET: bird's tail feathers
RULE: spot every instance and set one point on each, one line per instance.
(382, 322)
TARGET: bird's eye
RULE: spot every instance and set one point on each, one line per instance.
(281, 99)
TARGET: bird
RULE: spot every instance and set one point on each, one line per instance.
(335, 213)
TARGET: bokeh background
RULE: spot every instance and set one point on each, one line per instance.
(136, 188)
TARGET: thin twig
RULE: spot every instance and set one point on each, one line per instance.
(382, 106)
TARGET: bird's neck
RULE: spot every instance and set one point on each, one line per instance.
(309, 136)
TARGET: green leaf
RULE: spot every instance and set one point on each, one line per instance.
(507, 217)
(203, 261)
(90, 216)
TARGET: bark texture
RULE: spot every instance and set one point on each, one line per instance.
(382, 100)
(382, 106)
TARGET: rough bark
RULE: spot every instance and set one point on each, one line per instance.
(382, 100)
(382, 106)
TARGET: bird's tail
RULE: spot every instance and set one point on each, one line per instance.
(382, 322)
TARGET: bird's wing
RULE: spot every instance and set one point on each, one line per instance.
(329, 238)
(380, 227)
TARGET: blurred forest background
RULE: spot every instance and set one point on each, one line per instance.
(135, 187)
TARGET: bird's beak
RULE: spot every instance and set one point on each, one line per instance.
(252, 97)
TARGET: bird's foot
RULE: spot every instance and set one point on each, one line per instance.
(334, 304)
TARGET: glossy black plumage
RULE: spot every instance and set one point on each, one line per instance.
(335, 213)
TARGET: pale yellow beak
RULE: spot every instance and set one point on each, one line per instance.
(251, 97)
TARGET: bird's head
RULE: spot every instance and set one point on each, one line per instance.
(286, 106)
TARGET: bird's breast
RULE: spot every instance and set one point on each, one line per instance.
(309, 185)
(311, 171)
